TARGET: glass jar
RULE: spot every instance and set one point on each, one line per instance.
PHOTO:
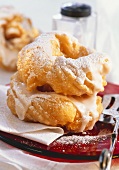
(78, 20)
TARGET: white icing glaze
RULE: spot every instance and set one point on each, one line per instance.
(24, 97)
(22, 103)
(40, 52)
(41, 47)
(45, 43)
(96, 63)
(84, 105)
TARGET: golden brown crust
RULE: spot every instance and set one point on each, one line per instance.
(48, 108)
(68, 77)
(59, 60)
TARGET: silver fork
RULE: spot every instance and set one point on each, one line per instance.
(110, 115)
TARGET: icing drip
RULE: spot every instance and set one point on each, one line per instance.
(63, 69)
(85, 105)
(24, 97)
(96, 63)
(71, 76)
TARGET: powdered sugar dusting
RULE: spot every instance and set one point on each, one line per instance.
(94, 63)
(56, 69)
(74, 139)
(42, 44)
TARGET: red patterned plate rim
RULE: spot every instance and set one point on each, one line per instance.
(73, 147)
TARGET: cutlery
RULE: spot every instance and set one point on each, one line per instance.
(110, 115)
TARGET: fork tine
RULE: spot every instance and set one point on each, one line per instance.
(106, 154)
(116, 103)
(107, 99)
(111, 105)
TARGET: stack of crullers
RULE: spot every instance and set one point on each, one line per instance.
(15, 32)
(57, 83)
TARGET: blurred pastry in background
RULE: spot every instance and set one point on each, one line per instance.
(16, 31)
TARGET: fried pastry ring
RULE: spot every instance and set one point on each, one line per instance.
(73, 113)
(57, 59)
(15, 32)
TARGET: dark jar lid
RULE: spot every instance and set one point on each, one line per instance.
(76, 10)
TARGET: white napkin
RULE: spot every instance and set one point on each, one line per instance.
(34, 131)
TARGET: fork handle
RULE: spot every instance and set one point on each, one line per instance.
(105, 160)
